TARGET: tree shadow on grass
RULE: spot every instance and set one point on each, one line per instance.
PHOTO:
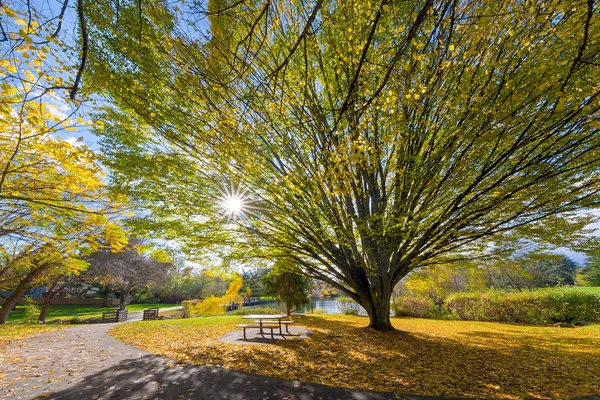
(157, 377)
(505, 361)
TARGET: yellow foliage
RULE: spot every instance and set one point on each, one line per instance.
(213, 305)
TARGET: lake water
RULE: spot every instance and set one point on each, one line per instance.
(330, 307)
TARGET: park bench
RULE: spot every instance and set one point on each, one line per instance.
(276, 324)
(150, 314)
(263, 327)
(114, 316)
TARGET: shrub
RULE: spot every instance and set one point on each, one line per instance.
(534, 307)
(417, 307)
(189, 308)
(32, 311)
(213, 305)
(318, 311)
(347, 306)
(210, 306)
(256, 310)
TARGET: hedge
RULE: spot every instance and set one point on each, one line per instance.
(533, 307)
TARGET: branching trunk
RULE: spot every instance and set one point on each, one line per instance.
(20, 290)
(48, 299)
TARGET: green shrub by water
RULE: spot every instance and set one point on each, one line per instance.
(534, 307)
(417, 307)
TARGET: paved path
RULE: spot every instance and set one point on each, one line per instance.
(84, 362)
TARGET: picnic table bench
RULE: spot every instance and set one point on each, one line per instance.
(114, 316)
(150, 314)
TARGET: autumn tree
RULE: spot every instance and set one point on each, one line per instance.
(54, 205)
(439, 281)
(362, 140)
(127, 269)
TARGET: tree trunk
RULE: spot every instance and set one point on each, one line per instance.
(105, 298)
(20, 290)
(48, 300)
(124, 295)
(378, 308)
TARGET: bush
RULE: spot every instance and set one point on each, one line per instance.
(213, 305)
(256, 310)
(534, 307)
(318, 311)
(189, 307)
(210, 306)
(417, 307)
(347, 306)
(32, 311)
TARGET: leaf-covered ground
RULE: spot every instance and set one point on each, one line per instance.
(445, 358)
(12, 332)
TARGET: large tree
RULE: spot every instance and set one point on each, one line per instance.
(364, 139)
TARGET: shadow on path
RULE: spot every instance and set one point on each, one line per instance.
(155, 377)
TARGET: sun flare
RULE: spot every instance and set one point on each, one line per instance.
(233, 205)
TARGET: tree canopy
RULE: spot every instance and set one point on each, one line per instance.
(362, 139)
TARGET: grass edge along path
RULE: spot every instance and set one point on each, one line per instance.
(428, 357)
(14, 332)
(66, 312)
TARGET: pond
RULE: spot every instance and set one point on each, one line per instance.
(330, 306)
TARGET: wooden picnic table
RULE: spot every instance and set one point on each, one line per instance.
(263, 319)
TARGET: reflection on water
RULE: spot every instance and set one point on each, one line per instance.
(330, 306)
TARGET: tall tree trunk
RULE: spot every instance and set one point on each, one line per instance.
(48, 299)
(20, 290)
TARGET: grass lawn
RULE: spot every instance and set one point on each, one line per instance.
(593, 290)
(12, 332)
(67, 312)
(429, 357)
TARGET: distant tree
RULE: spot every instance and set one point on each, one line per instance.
(288, 287)
(127, 269)
(551, 272)
(530, 271)
(592, 271)
(253, 281)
